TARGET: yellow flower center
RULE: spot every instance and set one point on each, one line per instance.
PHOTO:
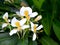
(35, 28)
(26, 14)
(17, 24)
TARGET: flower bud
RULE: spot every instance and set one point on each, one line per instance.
(38, 18)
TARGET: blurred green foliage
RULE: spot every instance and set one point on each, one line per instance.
(50, 11)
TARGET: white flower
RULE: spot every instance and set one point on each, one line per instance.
(19, 24)
(5, 17)
(27, 12)
(34, 28)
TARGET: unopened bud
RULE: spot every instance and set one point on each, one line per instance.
(38, 18)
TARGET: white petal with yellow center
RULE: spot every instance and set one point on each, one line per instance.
(13, 22)
(33, 26)
(25, 11)
(38, 28)
(34, 37)
(13, 32)
(25, 26)
(4, 25)
(33, 14)
(5, 16)
(29, 10)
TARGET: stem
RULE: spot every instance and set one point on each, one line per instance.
(18, 35)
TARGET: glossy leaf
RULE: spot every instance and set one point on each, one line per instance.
(5, 39)
(56, 27)
(23, 41)
(38, 3)
(48, 41)
(46, 21)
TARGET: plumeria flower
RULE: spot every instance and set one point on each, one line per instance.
(5, 17)
(19, 24)
(27, 12)
(34, 28)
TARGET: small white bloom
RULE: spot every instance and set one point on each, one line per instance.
(5, 16)
(34, 37)
(13, 32)
(16, 23)
(4, 25)
(25, 11)
(13, 21)
(19, 24)
(34, 28)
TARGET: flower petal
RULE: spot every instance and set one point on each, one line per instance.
(22, 11)
(29, 10)
(13, 22)
(18, 13)
(4, 25)
(13, 32)
(33, 14)
(22, 22)
(38, 28)
(25, 26)
(32, 26)
(5, 15)
(34, 37)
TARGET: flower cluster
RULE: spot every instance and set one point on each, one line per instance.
(27, 21)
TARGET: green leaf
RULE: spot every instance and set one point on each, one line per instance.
(38, 3)
(56, 27)
(32, 42)
(48, 41)
(46, 21)
(23, 41)
(8, 41)
(5, 39)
